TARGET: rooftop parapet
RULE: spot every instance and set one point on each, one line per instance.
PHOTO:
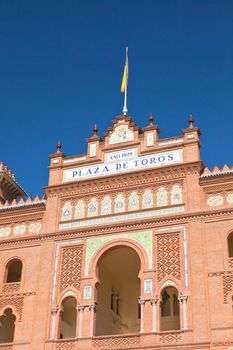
(216, 171)
(22, 202)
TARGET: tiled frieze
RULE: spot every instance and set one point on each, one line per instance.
(71, 264)
(217, 200)
(168, 255)
(18, 230)
(122, 202)
(121, 218)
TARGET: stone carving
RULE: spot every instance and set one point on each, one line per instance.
(15, 301)
(119, 206)
(35, 227)
(230, 262)
(5, 231)
(6, 347)
(230, 198)
(65, 345)
(227, 280)
(92, 209)
(176, 195)
(144, 238)
(71, 264)
(170, 338)
(168, 255)
(147, 199)
(116, 342)
(10, 287)
(66, 211)
(161, 197)
(214, 201)
(133, 203)
(122, 133)
(19, 229)
(79, 212)
(106, 206)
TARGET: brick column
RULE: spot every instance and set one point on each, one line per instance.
(142, 305)
(80, 309)
(183, 300)
(54, 322)
(154, 314)
(92, 309)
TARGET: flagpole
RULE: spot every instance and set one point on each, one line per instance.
(125, 110)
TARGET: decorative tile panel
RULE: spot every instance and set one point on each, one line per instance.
(119, 206)
(143, 238)
(106, 206)
(161, 197)
(79, 209)
(92, 209)
(133, 201)
(176, 195)
(147, 199)
(66, 211)
(5, 231)
(230, 198)
(214, 201)
(35, 227)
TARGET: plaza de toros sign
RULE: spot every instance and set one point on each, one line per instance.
(121, 162)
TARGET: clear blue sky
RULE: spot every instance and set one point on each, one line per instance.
(61, 64)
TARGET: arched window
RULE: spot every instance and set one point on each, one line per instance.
(68, 318)
(230, 245)
(7, 326)
(13, 271)
(170, 310)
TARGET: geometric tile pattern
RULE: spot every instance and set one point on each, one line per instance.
(168, 255)
(115, 342)
(71, 265)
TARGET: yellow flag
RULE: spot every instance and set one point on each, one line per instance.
(125, 75)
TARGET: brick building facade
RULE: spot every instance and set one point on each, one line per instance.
(130, 248)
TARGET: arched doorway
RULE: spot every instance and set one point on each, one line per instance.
(118, 292)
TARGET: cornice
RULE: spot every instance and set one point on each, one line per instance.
(134, 225)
